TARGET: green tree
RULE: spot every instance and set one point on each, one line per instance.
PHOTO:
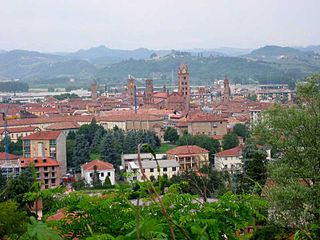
(254, 174)
(13, 221)
(171, 135)
(241, 130)
(81, 152)
(230, 140)
(294, 132)
(108, 152)
(96, 182)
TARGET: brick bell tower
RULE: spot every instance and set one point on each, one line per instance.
(184, 84)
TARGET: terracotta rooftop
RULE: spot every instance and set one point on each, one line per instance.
(39, 162)
(10, 156)
(19, 130)
(43, 135)
(233, 152)
(63, 126)
(188, 149)
(101, 165)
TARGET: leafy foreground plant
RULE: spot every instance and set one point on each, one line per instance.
(115, 217)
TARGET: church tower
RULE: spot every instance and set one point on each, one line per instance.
(226, 91)
(184, 84)
(94, 94)
(131, 89)
(148, 92)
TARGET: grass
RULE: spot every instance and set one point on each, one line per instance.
(165, 147)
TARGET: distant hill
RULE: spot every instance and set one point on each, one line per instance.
(267, 64)
(311, 48)
(31, 65)
(275, 51)
(102, 55)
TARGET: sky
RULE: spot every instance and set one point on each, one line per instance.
(69, 25)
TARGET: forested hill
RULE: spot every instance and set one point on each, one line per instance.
(270, 64)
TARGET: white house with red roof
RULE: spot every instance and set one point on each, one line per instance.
(230, 160)
(104, 170)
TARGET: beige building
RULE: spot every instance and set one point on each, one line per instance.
(207, 124)
(46, 144)
(190, 157)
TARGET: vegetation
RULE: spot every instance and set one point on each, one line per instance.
(14, 86)
(241, 130)
(14, 147)
(230, 140)
(164, 147)
(66, 96)
(171, 135)
(293, 133)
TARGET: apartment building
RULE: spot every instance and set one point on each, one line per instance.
(47, 169)
(46, 144)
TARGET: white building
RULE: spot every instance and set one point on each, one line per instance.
(126, 158)
(230, 160)
(104, 169)
(167, 167)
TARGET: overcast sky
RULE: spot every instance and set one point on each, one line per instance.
(68, 25)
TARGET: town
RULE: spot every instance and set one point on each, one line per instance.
(144, 120)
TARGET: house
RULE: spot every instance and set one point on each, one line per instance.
(230, 160)
(65, 127)
(46, 144)
(104, 170)
(150, 167)
(190, 157)
(47, 169)
(9, 165)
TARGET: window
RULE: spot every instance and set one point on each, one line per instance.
(102, 174)
(46, 174)
(52, 168)
(53, 175)
(151, 169)
(165, 169)
(174, 169)
(46, 181)
(45, 168)
(109, 174)
(90, 174)
(53, 181)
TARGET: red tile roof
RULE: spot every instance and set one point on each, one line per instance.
(63, 126)
(43, 135)
(10, 156)
(185, 150)
(101, 165)
(39, 162)
(160, 95)
(19, 130)
(203, 117)
(233, 152)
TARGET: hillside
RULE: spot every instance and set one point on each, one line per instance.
(267, 64)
